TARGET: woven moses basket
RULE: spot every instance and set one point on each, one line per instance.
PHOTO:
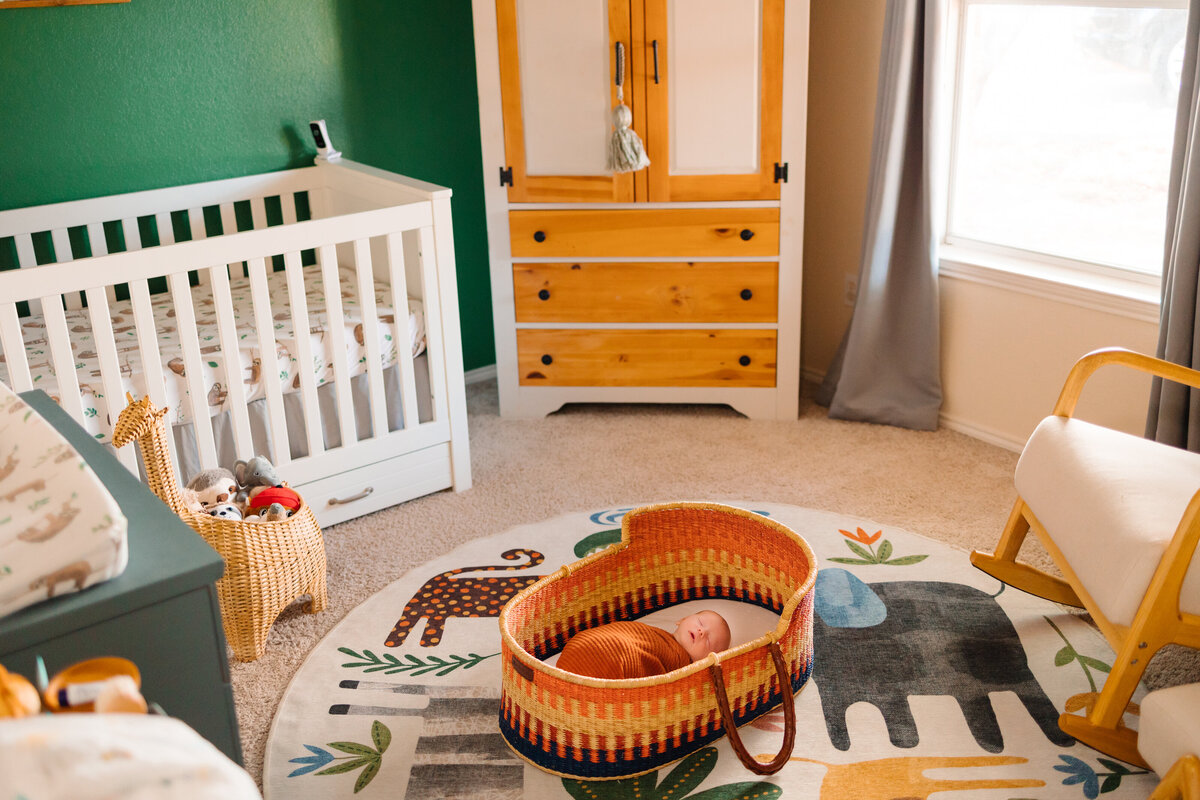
(267, 564)
(594, 729)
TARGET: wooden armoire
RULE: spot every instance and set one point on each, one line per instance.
(677, 283)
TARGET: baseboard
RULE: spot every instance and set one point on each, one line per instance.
(980, 432)
(480, 374)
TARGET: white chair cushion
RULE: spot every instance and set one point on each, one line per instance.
(1111, 502)
(1169, 726)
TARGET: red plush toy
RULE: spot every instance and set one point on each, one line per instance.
(275, 494)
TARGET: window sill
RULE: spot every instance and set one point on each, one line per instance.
(1123, 296)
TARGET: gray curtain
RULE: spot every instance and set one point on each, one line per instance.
(887, 368)
(1174, 414)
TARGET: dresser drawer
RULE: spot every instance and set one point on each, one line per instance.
(646, 357)
(652, 292)
(685, 233)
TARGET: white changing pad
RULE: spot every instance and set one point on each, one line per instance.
(249, 362)
(60, 529)
(101, 756)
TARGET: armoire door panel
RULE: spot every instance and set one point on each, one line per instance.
(558, 89)
(713, 105)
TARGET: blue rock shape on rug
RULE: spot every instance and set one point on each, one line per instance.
(927, 638)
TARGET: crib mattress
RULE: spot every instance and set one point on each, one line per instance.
(249, 362)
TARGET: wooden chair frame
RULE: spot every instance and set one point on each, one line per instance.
(1182, 781)
(1159, 619)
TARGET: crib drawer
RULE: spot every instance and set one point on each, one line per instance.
(646, 357)
(378, 485)
(651, 292)
(609, 233)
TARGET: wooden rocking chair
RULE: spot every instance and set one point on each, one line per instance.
(1120, 517)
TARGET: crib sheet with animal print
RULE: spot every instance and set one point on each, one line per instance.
(249, 362)
(61, 530)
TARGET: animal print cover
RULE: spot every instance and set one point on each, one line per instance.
(60, 529)
(133, 379)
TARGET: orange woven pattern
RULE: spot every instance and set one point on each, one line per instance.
(267, 564)
(588, 728)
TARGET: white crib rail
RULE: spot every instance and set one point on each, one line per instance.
(50, 283)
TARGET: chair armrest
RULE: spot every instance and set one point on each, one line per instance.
(1091, 362)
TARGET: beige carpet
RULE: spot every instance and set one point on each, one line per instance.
(943, 485)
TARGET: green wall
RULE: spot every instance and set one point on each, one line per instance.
(102, 99)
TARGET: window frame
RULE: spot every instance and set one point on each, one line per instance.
(963, 256)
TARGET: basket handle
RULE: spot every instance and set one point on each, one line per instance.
(789, 717)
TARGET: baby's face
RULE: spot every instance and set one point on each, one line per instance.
(703, 633)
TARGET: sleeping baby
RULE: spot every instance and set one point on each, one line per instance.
(637, 650)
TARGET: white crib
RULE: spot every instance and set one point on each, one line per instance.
(369, 424)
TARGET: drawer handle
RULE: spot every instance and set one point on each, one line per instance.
(746, 294)
(539, 236)
(544, 294)
(547, 360)
(746, 235)
(337, 501)
(744, 361)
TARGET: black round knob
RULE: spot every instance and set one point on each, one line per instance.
(746, 235)
(744, 361)
(746, 294)
(547, 360)
(540, 236)
(544, 294)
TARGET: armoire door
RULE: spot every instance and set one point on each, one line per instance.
(558, 68)
(714, 93)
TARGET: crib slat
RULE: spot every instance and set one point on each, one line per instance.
(400, 335)
(228, 226)
(99, 244)
(433, 323)
(64, 255)
(332, 289)
(133, 235)
(287, 204)
(304, 352)
(62, 357)
(197, 398)
(258, 212)
(196, 225)
(110, 369)
(13, 344)
(370, 326)
(269, 373)
(166, 231)
(148, 350)
(26, 257)
(230, 353)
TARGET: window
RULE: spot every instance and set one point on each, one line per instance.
(1064, 117)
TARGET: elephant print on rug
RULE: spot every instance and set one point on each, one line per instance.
(882, 642)
(447, 595)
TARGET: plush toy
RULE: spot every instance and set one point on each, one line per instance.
(214, 486)
(253, 476)
(269, 496)
(191, 500)
(226, 511)
(274, 513)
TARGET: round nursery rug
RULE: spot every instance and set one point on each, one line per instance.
(929, 676)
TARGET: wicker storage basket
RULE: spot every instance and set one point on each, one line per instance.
(594, 729)
(267, 564)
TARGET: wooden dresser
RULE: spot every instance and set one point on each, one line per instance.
(676, 283)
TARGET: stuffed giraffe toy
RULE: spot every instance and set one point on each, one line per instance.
(268, 565)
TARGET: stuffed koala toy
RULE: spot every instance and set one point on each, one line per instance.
(213, 487)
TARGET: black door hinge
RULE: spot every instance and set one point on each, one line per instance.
(506, 176)
(781, 173)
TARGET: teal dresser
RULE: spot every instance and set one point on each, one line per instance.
(161, 613)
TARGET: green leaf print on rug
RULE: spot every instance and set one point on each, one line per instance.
(359, 756)
(686, 776)
(860, 544)
(390, 664)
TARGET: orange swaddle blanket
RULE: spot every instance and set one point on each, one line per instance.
(623, 650)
